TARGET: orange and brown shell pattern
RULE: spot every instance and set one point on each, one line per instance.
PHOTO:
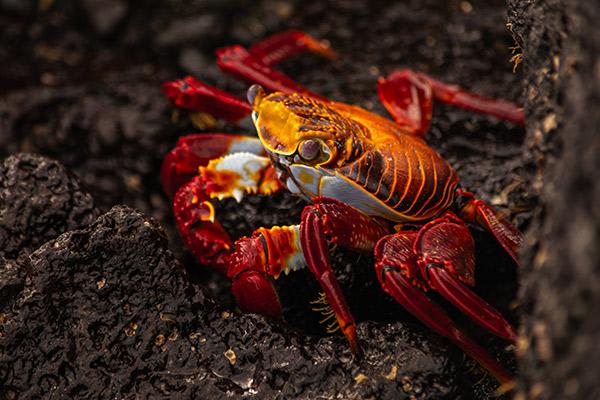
(347, 153)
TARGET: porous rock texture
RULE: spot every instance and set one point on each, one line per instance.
(560, 292)
(109, 312)
(39, 200)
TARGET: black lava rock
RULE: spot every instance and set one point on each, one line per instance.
(39, 200)
(560, 289)
(109, 312)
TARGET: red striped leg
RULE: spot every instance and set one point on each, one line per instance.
(329, 219)
(446, 258)
(480, 213)
(417, 303)
(408, 95)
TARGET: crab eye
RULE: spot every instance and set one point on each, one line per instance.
(309, 149)
(255, 92)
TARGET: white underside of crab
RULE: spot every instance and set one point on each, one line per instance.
(314, 182)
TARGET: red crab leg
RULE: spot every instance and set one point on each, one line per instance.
(192, 151)
(254, 65)
(237, 61)
(408, 99)
(446, 266)
(342, 224)
(195, 96)
(281, 46)
(479, 212)
(407, 95)
(396, 271)
(432, 315)
(468, 302)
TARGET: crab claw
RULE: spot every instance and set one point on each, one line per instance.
(229, 176)
(193, 151)
(237, 174)
(205, 237)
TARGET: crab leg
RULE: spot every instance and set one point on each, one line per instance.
(432, 315)
(346, 226)
(408, 96)
(448, 267)
(198, 97)
(254, 65)
(405, 267)
(479, 212)
(281, 46)
(443, 282)
(238, 61)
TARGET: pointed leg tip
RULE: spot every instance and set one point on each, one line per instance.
(355, 347)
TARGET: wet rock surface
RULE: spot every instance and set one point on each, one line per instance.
(39, 200)
(110, 312)
(560, 285)
(85, 90)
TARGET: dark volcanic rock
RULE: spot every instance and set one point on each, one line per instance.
(561, 282)
(39, 200)
(109, 312)
(112, 136)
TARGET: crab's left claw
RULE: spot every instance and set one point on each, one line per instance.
(233, 175)
(238, 174)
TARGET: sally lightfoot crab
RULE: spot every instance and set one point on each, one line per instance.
(373, 184)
